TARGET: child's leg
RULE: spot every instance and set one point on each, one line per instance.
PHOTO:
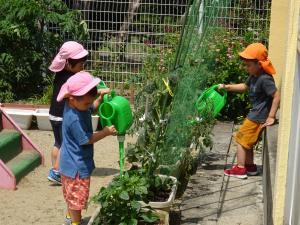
(75, 216)
(76, 193)
(249, 157)
(54, 156)
(57, 132)
(56, 162)
(239, 170)
(241, 155)
(246, 138)
(54, 174)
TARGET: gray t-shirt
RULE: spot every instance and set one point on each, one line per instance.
(261, 91)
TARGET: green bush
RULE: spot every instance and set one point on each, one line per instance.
(27, 44)
(45, 97)
(149, 104)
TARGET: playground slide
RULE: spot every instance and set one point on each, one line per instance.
(18, 155)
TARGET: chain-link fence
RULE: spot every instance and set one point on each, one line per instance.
(124, 32)
(242, 15)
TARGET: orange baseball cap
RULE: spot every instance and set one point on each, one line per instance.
(259, 52)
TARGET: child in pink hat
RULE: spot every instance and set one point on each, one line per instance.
(76, 158)
(69, 60)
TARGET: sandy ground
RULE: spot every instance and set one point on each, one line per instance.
(37, 201)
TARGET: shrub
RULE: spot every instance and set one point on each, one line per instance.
(27, 44)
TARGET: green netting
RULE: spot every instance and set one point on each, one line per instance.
(185, 125)
(191, 24)
(197, 23)
(166, 117)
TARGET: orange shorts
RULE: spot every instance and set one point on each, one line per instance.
(76, 191)
(248, 134)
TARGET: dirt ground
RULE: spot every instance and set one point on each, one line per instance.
(37, 201)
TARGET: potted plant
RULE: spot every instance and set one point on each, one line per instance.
(163, 217)
(161, 193)
(122, 202)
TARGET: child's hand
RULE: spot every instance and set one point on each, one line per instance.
(269, 122)
(98, 100)
(110, 130)
(221, 86)
(106, 131)
(103, 91)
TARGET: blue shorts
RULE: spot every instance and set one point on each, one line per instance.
(57, 131)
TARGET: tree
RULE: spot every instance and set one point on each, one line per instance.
(27, 44)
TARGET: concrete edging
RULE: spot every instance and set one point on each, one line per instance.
(269, 171)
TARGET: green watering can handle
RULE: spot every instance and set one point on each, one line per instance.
(100, 86)
(106, 99)
(109, 123)
(222, 91)
(102, 111)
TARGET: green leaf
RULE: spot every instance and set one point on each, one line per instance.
(158, 182)
(124, 195)
(141, 190)
(133, 221)
(136, 205)
(150, 217)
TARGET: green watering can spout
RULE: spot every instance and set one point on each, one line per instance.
(212, 97)
(121, 140)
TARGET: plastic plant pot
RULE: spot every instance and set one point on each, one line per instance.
(42, 118)
(163, 215)
(95, 121)
(22, 117)
(166, 205)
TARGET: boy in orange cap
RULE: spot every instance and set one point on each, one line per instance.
(265, 99)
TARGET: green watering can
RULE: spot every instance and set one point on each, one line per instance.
(212, 96)
(115, 110)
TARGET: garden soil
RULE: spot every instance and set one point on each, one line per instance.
(39, 202)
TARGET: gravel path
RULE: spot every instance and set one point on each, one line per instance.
(214, 199)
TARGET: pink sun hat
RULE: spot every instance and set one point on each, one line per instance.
(78, 85)
(69, 50)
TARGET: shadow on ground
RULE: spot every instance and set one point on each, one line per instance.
(100, 172)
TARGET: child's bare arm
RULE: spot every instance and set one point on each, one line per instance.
(234, 87)
(106, 131)
(98, 100)
(272, 115)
